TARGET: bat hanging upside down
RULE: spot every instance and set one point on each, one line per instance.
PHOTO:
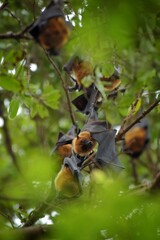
(136, 140)
(54, 34)
(83, 144)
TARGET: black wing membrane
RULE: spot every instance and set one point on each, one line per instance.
(87, 100)
(106, 152)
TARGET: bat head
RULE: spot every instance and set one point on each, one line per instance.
(83, 144)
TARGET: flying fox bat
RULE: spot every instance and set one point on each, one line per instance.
(64, 144)
(99, 132)
(51, 30)
(136, 139)
(111, 83)
(91, 98)
(77, 69)
(68, 182)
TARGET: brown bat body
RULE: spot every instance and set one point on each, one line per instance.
(64, 150)
(135, 141)
(111, 83)
(66, 184)
(54, 34)
(80, 70)
(83, 144)
(51, 30)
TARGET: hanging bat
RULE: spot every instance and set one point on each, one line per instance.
(64, 144)
(83, 144)
(91, 98)
(51, 30)
(68, 182)
(136, 139)
(77, 69)
(111, 83)
(96, 131)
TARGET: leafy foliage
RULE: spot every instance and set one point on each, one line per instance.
(34, 108)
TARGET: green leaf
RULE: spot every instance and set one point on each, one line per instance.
(51, 97)
(42, 111)
(13, 108)
(9, 83)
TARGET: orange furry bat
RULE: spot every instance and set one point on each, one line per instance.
(68, 181)
(136, 139)
(66, 184)
(77, 70)
(54, 34)
(51, 30)
(112, 82)
(83, 144)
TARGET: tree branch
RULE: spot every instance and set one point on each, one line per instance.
(18, 35)
(3, 5)
(152, 106)
(64, 87)
(7, 138)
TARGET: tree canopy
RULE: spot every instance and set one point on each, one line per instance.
(36, 104)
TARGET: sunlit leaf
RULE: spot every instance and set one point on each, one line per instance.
(14, 106)
(9, 83)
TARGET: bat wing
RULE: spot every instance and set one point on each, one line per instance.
(72, 163)
(85, 102)
(68, 137)
(106, 153)
(65, 138)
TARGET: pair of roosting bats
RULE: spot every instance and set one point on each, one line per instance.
(78, 69)
(69, 180)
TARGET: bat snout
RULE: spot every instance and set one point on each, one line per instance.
(87, 145)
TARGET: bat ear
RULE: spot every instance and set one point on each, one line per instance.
(61, 134)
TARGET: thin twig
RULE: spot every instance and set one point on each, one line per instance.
(14, 16)
(152, 106)
(7, 138)
(3, 5)
(64, 87)
(18, 35)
